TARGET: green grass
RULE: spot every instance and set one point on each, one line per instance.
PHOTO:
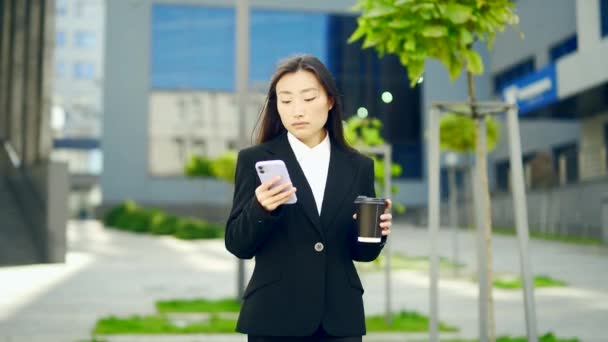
(159, 324)
(405, 262)
(550, 237)
(510, 283)
(548, 337)
(198, 305)
(404, 321)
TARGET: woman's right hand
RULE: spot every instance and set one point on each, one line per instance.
(269, 198)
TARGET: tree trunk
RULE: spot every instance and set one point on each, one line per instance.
(482, 173)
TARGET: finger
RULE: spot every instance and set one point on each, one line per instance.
(279, 188)
(267, 184)
(386, 217)
(386, 224)
(264, 194)
(386, 232)
(389, 205)
(281, 198)
(354, 216)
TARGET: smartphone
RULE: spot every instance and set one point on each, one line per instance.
(269, 169)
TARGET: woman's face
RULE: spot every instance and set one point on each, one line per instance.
(303, 106)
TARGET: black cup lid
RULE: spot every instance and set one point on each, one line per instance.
(369, 200)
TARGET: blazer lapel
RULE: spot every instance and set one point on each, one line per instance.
(340, 177)
(281, 148)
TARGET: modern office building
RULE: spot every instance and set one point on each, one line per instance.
(170, 81)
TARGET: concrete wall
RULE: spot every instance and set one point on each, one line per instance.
(587, 67)
(593, 149)
(539, 134)
(69, 91)
(544, 23)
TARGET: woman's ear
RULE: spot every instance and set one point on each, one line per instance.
(330, 103)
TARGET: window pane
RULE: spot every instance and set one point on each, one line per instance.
(84, 39)
(60, 39)
(84, 71)
(61, 7)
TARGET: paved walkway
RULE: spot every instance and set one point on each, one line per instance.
(118, 273)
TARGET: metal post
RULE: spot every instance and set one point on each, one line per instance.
(386, 152)
(481, 241)
(387, 194)
(433, 218)
(454, 215)
(242, 80)
(521, 220)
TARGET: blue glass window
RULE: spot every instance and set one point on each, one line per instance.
(84, 39)
(59, 39)
(61, 7)
(604, 17)
(563, 48)
(84, 71)
(513, 73)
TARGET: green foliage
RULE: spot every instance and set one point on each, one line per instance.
(458, 133)
(199, 305)
(367, 132)
(159, 324)
(222, 167)
(404, 321)
(198, 166)
(191, 229)
(513, 283)
(415, 30)
(163, 224)
(548, 337)
(131, 217)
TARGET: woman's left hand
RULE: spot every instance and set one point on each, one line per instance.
(386, 219)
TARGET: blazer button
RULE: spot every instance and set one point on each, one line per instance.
(319, 247)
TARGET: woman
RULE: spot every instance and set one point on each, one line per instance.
(304, 286)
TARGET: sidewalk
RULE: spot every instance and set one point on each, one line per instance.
(116, 273)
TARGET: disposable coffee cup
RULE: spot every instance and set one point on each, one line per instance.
(369, 210)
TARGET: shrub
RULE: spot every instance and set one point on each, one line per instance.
(163, 224)
(198, 166)
(190, 229)
(112, 216)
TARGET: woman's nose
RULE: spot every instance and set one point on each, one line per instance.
(298, 109)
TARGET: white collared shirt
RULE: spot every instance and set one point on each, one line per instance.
(314, 162)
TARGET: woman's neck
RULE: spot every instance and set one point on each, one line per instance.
(315, 140)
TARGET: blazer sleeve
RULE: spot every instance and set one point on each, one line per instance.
(249, 224)
(367, 251)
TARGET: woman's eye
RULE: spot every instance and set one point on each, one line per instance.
(310, 99)
(286, 102)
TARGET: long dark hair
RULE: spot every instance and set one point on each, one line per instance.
(269, 123)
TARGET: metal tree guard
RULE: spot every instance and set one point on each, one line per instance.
(519, 204)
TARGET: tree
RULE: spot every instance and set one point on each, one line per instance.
(367, 132)
(446, 30)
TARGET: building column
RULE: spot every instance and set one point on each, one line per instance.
(587, 23)
(33, 69)
(17, 77)
(47, 63)
(5, 58)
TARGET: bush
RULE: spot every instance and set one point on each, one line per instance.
(131, 217)
(112, 216)
(190, 229)
(198, 166)
(163, 224)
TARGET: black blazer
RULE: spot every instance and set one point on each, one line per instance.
(304, 274)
